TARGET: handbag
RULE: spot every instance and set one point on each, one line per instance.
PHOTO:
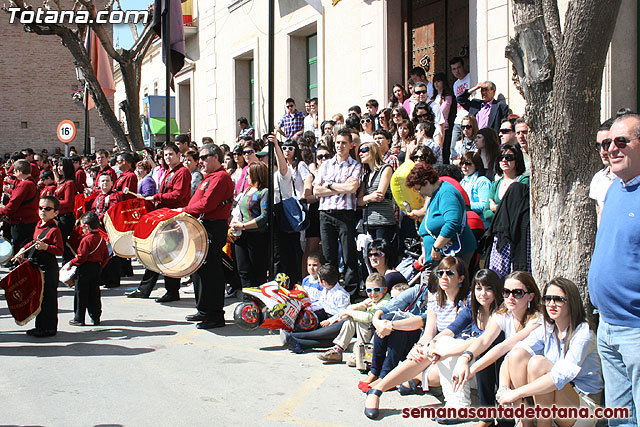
(291, 214)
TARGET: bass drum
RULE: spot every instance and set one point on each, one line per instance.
(172, 243)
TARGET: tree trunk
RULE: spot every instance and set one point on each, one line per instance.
(560, 74)
(131, 104)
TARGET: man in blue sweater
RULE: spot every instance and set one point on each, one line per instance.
(614, 275)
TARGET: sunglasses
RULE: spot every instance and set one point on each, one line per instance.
(422, 116)
(323, 156)
(620, 142)
(365, 121)
(468, 127)
(288, 148)
(508, 157)
(557, 299)
(466, 163)
(441, 273)
(204, 156)
(396, 115)
(517, 293)
(376, 255)
(505, 130)
(363, 150)
(248, 152)
(420, 92)
(420, 157)
(290, 106)
(374, 290)
(46, 208)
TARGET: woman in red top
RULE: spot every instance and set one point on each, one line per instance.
(66, 194)
(48, 245)
(92, 257)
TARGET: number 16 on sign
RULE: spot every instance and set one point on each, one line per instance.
(66, 133)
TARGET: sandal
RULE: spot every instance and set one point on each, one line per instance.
(373, 413)
(412, 389)
(364, 386)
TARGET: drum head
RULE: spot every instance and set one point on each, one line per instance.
(180, 247)
(6, 250)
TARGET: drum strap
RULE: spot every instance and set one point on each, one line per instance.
(41, 236)
(226, 202)
(166, 181)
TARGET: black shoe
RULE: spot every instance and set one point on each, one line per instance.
(450, 421)
(74, 322)
(198, 317)
(137, 294)
(111, 286)
(211, 324)
(41, 333)
(168, 297)
(96, 322)
(373, 413)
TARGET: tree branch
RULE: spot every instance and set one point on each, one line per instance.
(552, 22)
(143, 42)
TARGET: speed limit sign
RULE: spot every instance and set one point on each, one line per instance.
(66, 131)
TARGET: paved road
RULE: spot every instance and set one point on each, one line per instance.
(146, 366)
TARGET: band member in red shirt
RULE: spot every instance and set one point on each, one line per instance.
(212, 202)
(66, 194)
(92, 258)
(47, 244)
(22, 208)
(110, 276)
(102, 159)
(47, 183)
(81, 175)
(175, 192)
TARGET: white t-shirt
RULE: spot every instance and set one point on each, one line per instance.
(309, 125)
(507, 325)
(439, 118)
(458, 87)
(282, 185)
(600, 185)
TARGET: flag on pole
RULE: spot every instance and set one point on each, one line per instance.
(176, 31)
(101, 64)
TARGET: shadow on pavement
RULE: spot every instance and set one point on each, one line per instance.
(231, 330)
(74, 349)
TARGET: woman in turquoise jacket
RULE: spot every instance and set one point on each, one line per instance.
(444, 229)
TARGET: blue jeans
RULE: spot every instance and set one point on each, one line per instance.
(618, 349)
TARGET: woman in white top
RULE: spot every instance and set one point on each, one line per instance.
(519, 316)
(558, 364)
(368, 127)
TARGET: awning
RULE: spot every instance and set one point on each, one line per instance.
(158, 126)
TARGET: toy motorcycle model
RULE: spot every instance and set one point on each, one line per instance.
(276, 305)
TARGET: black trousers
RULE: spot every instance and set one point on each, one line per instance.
(287, 254)
(209, 280)
(66, 223)
(251, 258)
(21, 234)
(341, 226)
(149, 279)
(87, 294)
(110, 275)
(48, 316)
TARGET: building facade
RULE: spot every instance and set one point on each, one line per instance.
(39, 79)
(349, 53)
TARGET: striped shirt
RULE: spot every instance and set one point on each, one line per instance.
(334, 172)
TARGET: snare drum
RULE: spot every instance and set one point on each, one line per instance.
(172, 243)
(6, 250)
(68, 274)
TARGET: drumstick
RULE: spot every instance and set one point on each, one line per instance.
(127, 191)
(25, 249)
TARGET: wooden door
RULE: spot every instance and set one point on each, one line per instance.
(438, 31)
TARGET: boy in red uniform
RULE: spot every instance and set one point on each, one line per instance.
(47, 183)
(110, 276)
(48, 245)
(92, 257)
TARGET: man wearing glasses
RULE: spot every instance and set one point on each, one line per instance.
(604, 177)
(614, 275)
(489, 111)
(292, 123)
(421, 95)
(127, 178)
(507, 132)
